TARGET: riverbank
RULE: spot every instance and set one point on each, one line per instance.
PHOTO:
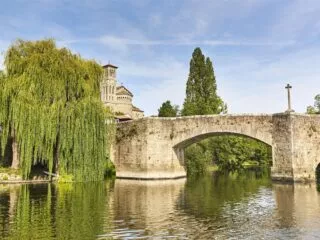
(245, 165)
(9, 175)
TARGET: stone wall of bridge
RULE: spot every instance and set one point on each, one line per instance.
(296, 146)
(153, 148)
(305, 146)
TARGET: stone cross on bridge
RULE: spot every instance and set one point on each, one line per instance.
(288, 87)
(153, 148)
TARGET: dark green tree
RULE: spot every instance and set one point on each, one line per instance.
(201, 90)
(51, 111)
(168, 110)
(315, 109)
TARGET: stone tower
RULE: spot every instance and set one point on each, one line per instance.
(109, 86)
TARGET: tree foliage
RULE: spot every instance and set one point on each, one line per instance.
(201, 90)
(232, 152)
(197, 158)
(168, 110)
(228, 152)
(315, 109)
(50, 105)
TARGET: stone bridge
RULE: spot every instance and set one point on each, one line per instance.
(153, 148)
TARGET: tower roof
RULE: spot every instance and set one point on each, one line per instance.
(109, 65)
(134, 108)
(122, 90)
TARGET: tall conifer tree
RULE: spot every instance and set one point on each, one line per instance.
(201, 90)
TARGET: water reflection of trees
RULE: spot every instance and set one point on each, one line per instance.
(64, 211)
(219, 188)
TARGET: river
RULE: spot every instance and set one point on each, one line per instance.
(239, 205)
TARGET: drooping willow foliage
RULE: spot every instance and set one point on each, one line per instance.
(50, 106)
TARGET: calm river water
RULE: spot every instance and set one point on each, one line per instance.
(243, 205)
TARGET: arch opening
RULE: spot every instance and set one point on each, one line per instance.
(224, 151)
(195, 139)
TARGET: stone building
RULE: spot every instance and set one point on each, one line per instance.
(118, 98)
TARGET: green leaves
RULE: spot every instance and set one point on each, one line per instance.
(201, 90)
(168, 110)
(50, 104)
(315, 109)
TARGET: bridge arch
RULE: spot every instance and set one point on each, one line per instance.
(180, 147)
(187, 142)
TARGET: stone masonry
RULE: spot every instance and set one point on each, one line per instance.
(153, 148)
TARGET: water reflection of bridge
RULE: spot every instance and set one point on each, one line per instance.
(151, 201)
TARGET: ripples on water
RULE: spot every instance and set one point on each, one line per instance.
(242, 205)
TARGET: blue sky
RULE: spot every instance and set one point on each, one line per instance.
(257, 46)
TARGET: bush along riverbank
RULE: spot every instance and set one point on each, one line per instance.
(40, 175)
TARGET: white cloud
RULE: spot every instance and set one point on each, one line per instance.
(119, 42)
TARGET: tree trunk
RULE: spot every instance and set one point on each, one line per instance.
(15, 154)
(56, 160)
(56, 157)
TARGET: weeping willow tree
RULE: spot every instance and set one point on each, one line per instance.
(51, 111)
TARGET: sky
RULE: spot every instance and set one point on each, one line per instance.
(256, 46)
